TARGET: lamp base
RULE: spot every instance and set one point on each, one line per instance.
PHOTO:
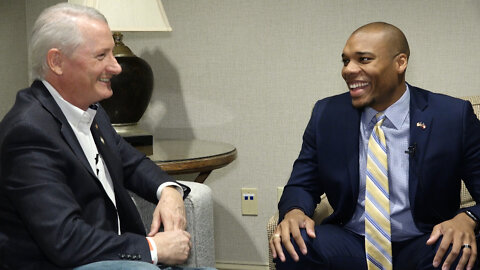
(132, 89)
(137, 137)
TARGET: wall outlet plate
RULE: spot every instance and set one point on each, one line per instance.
(249, 202)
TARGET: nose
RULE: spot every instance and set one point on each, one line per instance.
(351, 68)
(113, 67)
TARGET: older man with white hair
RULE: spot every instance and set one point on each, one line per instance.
(64, 171)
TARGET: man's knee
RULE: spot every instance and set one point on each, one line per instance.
(333, 246)
(416, 254)
(289, 263)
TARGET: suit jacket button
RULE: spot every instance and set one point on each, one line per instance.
(139, 257)
(129, 256)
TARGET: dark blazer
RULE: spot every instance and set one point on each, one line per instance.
(54, 213)
(447, 150)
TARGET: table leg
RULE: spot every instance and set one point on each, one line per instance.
(202, 176)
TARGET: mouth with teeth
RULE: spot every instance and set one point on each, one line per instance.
(105, 81)
(357, 88)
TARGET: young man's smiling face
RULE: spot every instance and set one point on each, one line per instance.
(373, 69)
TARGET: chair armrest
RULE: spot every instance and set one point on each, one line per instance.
(199, 212)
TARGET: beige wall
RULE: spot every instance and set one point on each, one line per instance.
(13, 52)
(16, 21)
(248, 73)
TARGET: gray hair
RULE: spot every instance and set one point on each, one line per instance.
(56, 27)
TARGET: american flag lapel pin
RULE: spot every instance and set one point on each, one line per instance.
(421, 125)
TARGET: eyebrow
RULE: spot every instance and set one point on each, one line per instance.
(362, 53)
(359, 53)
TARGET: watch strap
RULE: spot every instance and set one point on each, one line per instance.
(475, 218)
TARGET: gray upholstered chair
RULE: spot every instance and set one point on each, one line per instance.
(324, 209)
(199, 210)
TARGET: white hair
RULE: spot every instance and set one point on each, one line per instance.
(57, 27)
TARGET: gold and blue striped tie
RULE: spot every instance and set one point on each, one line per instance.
(378, 244)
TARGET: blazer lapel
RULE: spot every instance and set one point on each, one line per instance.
(420, 125)
(44, 97)
(130, 219)
(351, 151)
(111, 160)
(346, 121)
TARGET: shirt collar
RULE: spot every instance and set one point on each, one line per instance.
(397, 112)
(76, 117)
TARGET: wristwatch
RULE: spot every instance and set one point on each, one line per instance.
(475, 218)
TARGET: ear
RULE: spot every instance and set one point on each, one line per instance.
(401, 62)
(55, 61)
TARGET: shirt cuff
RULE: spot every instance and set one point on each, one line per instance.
(169, 184)
(153, 250)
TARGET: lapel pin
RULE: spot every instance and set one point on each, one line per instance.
(96, 126)
(421, 125)
(102, 140)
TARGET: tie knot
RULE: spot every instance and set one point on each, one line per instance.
(379, 117)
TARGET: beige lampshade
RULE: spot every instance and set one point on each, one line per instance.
(131, 15)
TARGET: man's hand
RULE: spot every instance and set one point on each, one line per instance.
(170, 211)
(290, 225)
(456, 232)
(173, 247)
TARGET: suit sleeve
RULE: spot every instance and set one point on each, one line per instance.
(35, 181)
(470, 165)
(303, 189)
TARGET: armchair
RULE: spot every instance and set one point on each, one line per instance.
(324, 209)
(199, 211)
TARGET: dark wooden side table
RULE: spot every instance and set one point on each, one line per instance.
(192, 156)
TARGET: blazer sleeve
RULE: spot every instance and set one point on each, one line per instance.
(470, 164)
(303, 189)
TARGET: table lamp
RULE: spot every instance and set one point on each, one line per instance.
(132, 89)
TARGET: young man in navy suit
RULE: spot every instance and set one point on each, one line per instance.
(432, 142)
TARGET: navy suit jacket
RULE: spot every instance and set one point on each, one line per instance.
(54, 212)
(447, 150)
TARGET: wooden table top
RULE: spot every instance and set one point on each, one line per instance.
(192, 156)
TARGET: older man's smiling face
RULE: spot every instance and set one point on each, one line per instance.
(91, 66)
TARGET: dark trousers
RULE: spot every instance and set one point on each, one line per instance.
(338, 249)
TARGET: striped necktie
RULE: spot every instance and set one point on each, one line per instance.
(378, 244)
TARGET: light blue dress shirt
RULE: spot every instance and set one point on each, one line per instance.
(397, 132)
